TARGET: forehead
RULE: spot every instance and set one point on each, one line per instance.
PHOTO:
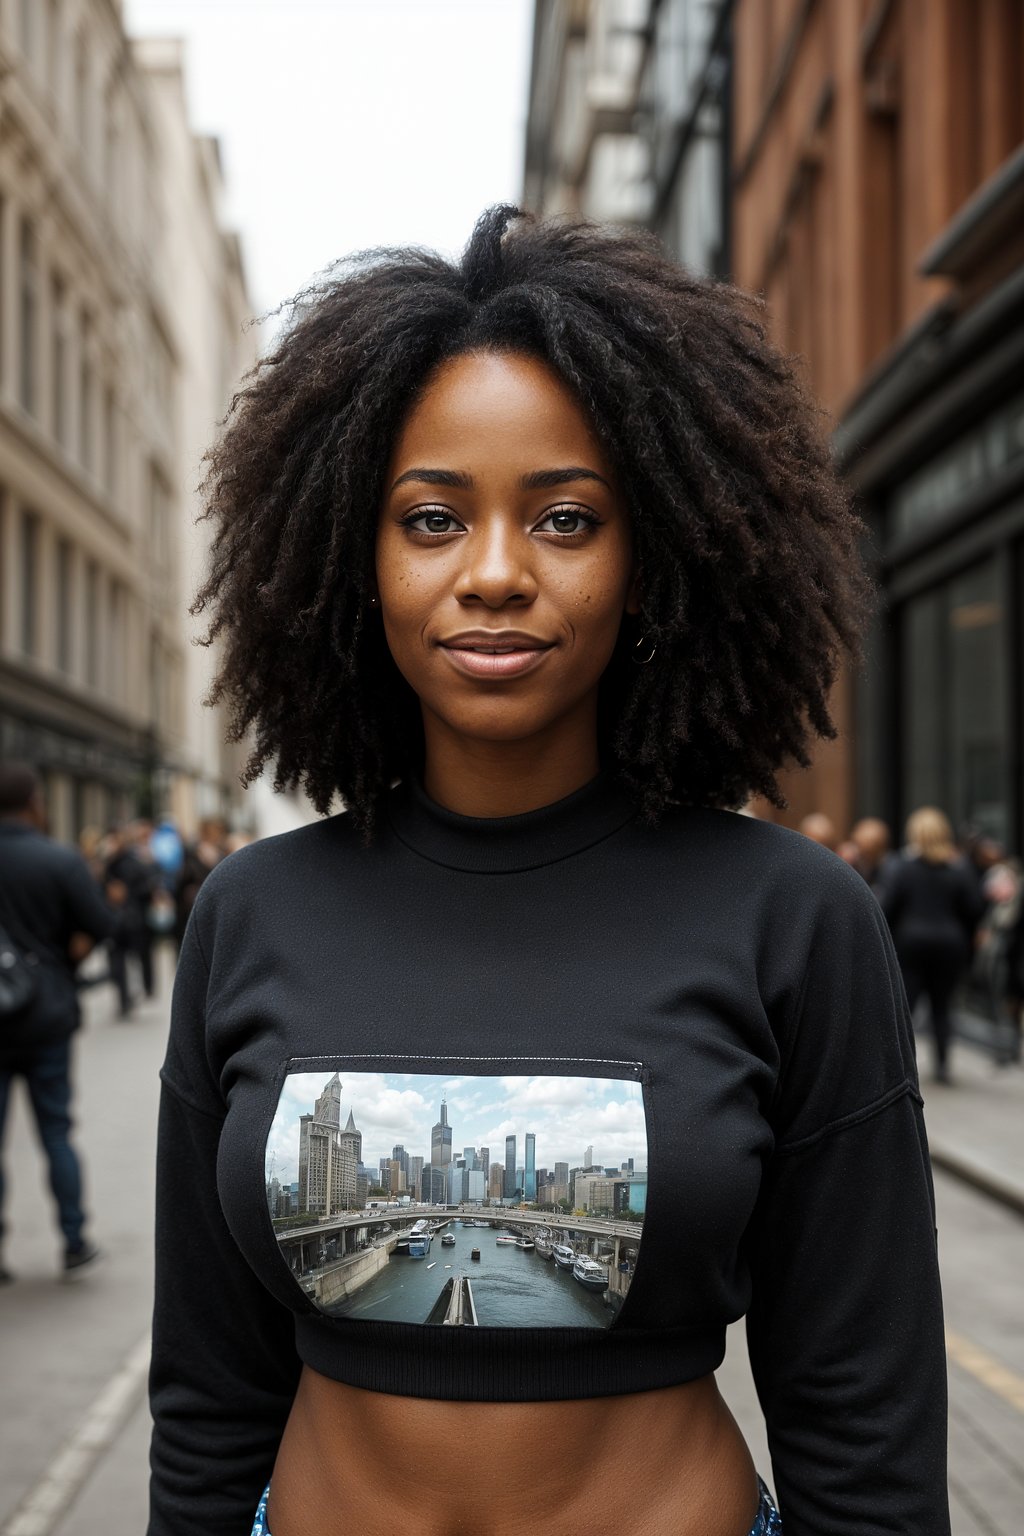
(497, 409)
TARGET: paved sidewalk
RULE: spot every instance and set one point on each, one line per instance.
(73, 1353)
(976, 1126)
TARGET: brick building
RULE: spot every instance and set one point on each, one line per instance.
(860, 163)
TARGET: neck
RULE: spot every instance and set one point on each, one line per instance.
(506, 778)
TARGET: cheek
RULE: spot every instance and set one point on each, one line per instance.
(597, 596)
(405, 587)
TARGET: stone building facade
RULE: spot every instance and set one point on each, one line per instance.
(98, 373)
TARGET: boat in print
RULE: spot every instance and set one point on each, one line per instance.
(544, 1247)
(448, 1241)
(590, 1274)
(525, 1243)
(505, 1239)
(565, 1257)
(420, 1238)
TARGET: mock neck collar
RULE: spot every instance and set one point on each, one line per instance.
(495, 845)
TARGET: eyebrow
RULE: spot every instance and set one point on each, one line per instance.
(536, 480)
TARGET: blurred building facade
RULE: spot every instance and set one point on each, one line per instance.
(878, 202)
(203, 281)
(98, 385)
(860, 163)
(628, 119)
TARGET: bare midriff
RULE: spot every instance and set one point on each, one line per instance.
(664, 1463)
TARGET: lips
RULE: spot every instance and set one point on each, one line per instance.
(509, 653)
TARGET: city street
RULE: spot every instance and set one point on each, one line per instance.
(73, 1457)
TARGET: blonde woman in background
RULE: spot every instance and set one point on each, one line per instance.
(933, 908)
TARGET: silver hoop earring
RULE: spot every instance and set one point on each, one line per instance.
(643, 661)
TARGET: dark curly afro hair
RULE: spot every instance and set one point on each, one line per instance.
(752, 583)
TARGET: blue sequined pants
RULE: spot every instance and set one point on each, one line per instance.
(767, 1523)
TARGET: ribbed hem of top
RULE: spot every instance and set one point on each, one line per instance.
(503, 844)
(504, 1365)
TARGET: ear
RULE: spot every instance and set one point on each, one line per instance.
(633, 593)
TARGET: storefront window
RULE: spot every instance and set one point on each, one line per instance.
(954, 724)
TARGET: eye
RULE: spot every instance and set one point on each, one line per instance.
(435, 520)
(567, 521)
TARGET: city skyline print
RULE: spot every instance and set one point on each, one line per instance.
(462, 1198)
(391, 1108)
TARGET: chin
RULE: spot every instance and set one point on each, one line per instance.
(502, 724)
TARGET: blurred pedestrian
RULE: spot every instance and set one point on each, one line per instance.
(199, 858)
(90, 846)
(1014, 1000)
(820, 829)
(130, 880)
(997, 955)
(980, 853)
(53, 913)
(875, 860)
(933, 908)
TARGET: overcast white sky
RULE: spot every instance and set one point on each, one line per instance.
(350, 123)
(566, 1114)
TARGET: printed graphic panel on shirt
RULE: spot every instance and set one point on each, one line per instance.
(492, 1199)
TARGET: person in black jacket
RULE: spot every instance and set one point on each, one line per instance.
(128, 873)
(53, 913)
(933, 908)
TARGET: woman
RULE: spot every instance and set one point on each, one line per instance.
(538, 561)
(933, 907)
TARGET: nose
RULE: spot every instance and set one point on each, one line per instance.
(497, 568)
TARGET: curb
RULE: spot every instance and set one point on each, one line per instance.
(1005, 1192)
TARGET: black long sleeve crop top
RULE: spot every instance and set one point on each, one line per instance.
(675, 1060)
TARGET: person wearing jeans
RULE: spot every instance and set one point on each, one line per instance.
(53, 913)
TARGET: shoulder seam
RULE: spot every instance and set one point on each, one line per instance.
(189, 1101)
(855, 1117)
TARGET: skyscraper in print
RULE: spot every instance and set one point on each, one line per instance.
(328, 1157)
(441, 1140)
(530, 1168)
(510, 1168)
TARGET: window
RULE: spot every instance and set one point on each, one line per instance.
(115, 641)
(159, 530)
(92, 625)
(85, 394)
(29, 278)
(955, 738)
(156, 681)
(80, 121)
(64, 615)
(29, 31)
(111, 147)
(3, 568)
(54, 48)
(29, 582)
(110, 441)
(59, 364)
(3, 271)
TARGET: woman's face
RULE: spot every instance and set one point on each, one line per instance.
(504, 554)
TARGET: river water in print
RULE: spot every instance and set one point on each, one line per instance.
(512, 1287)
